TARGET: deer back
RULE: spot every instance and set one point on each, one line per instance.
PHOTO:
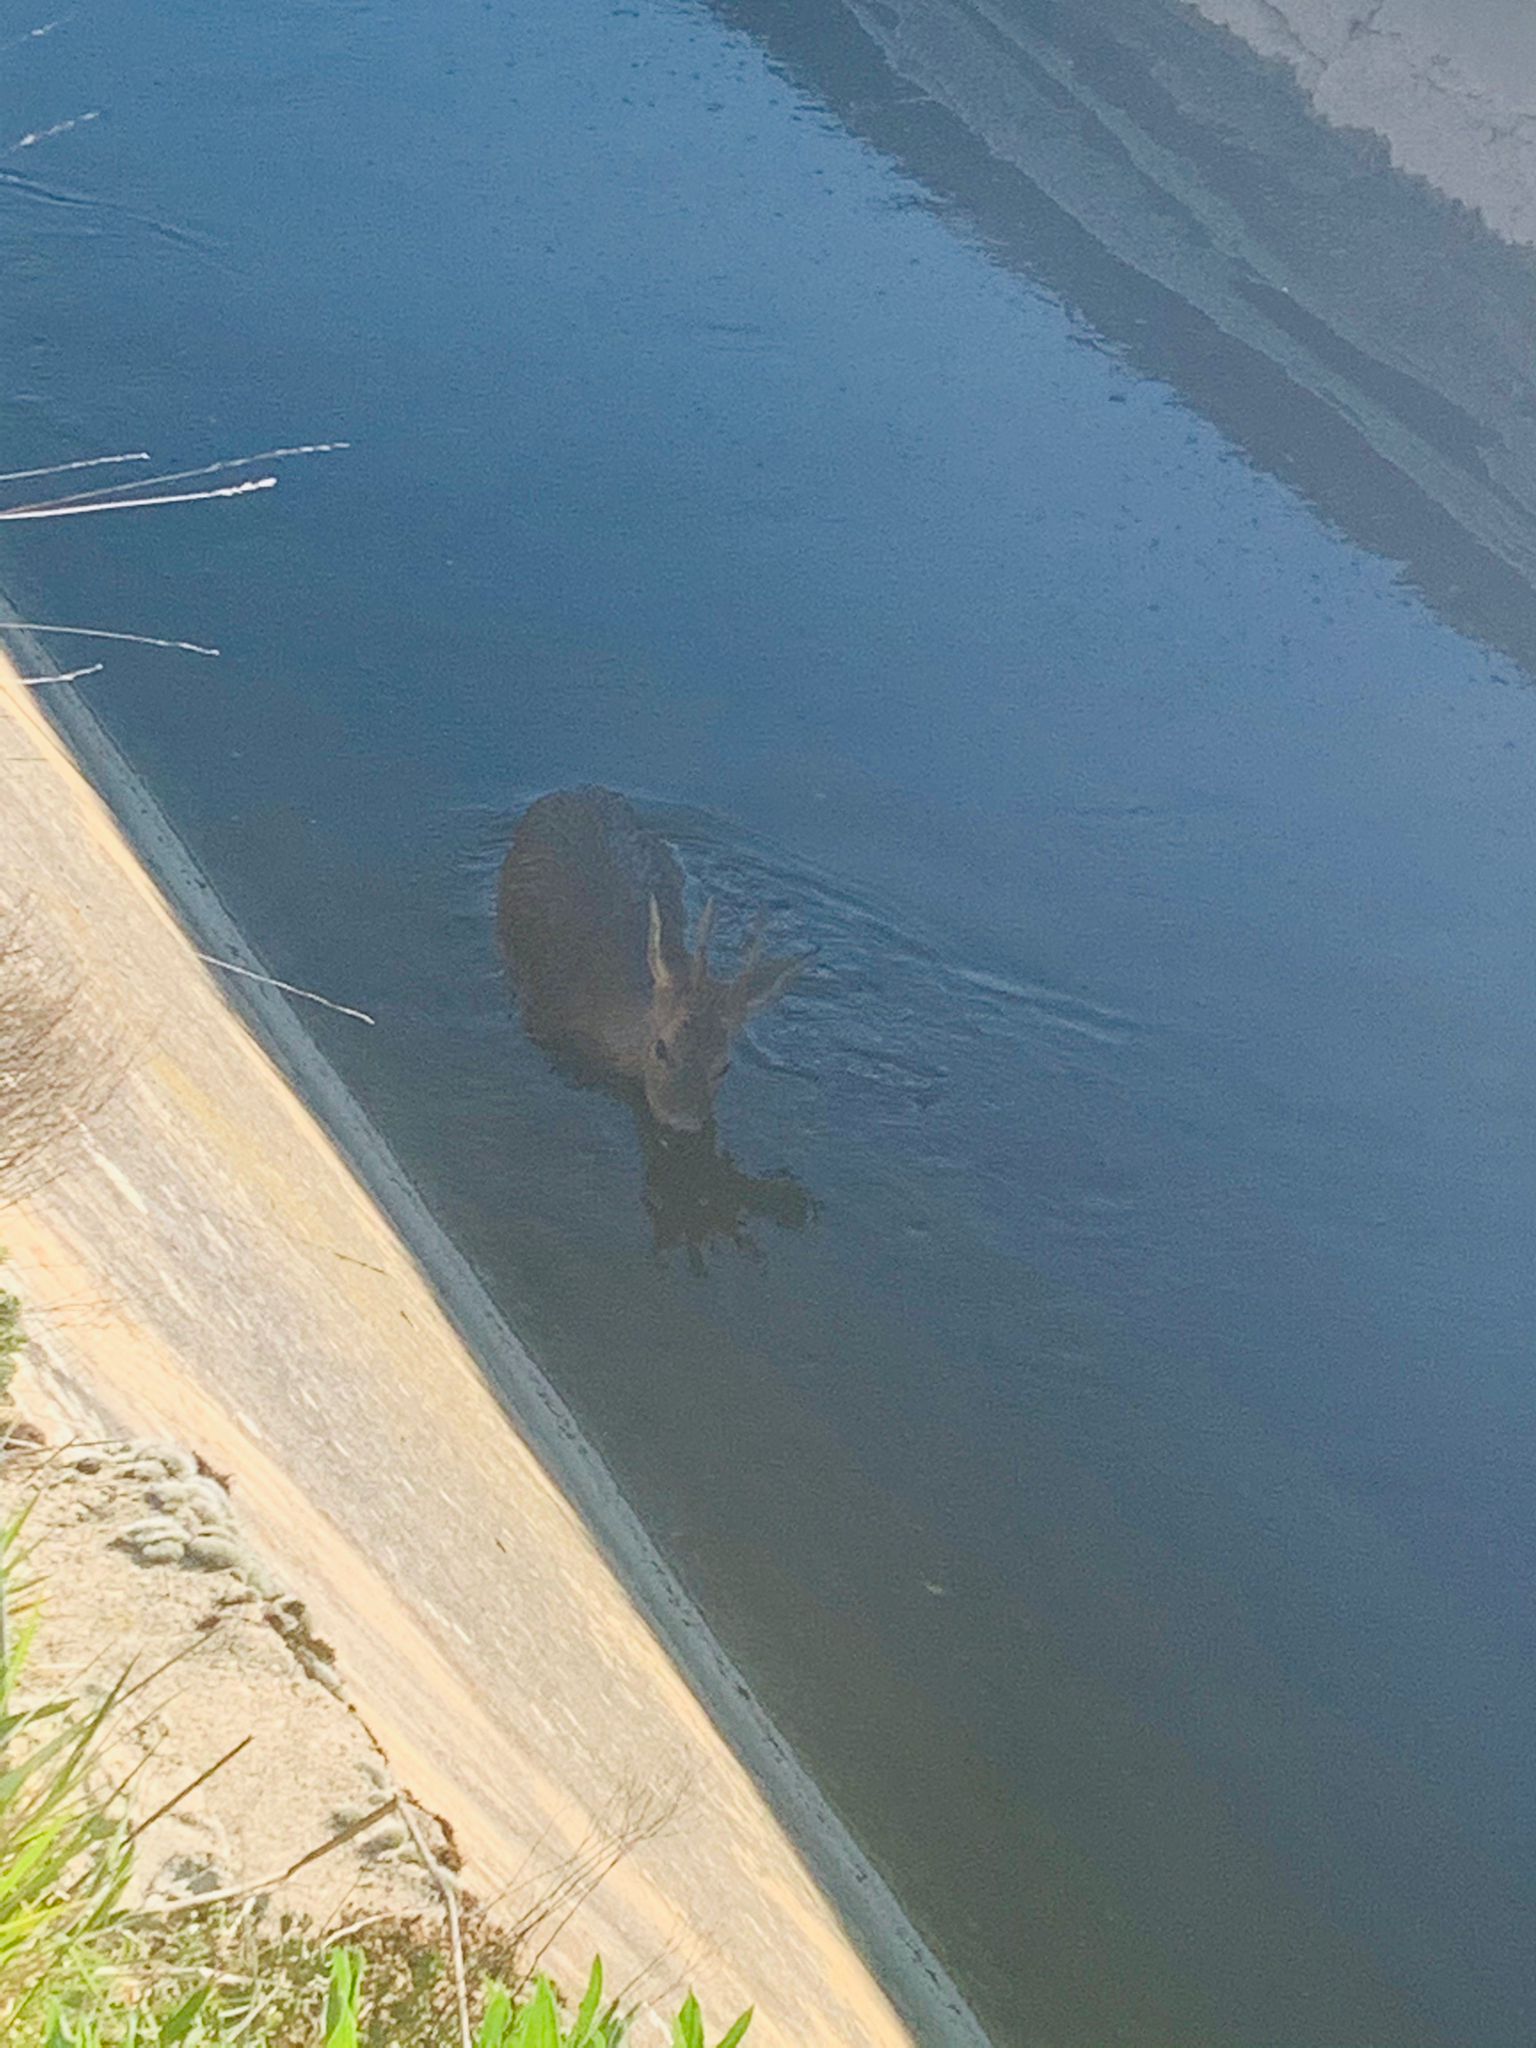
(574, 923)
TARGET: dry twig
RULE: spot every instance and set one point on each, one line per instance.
(288, 988)
(17, 476)
(63, 511)
(169, 1805)
(234, 1892)
(68, 675)
(101, 633)
(450, 1898)
(181, 476)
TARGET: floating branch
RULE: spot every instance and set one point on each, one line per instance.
(17, 476)
(72, 675)
(288, 988)
(64, 510)
(100, 633)
(32, 35)
(58, 128)
(180, 476)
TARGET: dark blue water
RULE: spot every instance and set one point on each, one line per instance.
(1094, 1406)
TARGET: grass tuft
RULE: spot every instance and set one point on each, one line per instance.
(79, 1971)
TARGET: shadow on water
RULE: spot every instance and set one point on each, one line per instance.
(1355, 332)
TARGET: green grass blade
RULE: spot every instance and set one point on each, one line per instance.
(688, 2027)
(177, 2025)
(342, 1999)
(584, 2031)
(496, 2021)
(539, 2020)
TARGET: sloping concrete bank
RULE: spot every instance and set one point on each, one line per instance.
(209, 1268)
(1449, 86)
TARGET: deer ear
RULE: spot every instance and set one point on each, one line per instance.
(701, 944)
(762, 982)
(655, 953)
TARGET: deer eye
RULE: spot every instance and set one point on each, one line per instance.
(661, 1051)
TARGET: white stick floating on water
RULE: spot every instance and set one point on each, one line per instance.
(100, 633)
(288, 989)
(65, 511)
(32, 35)
(181, 476)
(70, 676)
(58, 128)
(17, 476)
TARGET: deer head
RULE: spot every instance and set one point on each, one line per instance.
(693, 1019)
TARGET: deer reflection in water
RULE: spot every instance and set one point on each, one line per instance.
(591, 923)
(697, 1196)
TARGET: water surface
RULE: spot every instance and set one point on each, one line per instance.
(1112, 1463)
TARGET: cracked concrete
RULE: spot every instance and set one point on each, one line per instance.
(1449, 86)
(235, 1751)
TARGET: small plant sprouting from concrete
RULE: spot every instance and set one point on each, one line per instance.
(57, 1069)
(79, 1970)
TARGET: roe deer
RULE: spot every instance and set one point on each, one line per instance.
(591, 920)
